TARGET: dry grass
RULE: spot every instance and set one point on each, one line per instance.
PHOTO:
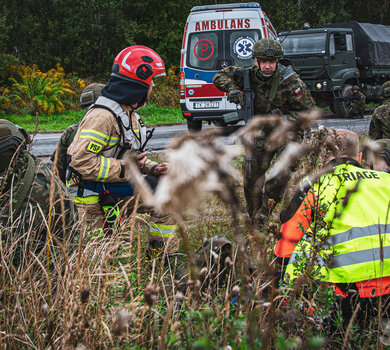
(100, 294)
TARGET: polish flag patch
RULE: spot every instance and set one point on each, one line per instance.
(297, 91)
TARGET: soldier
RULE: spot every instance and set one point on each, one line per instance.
(356, 102)
(109, 132)
(26, 194)
(278, 90)
(380, 123)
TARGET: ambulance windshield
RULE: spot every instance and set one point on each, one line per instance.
(308, 44)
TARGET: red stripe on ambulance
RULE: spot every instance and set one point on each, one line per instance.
(205, 90)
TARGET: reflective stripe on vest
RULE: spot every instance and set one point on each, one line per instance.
(86, 200)
(165, 231)
(358, 241)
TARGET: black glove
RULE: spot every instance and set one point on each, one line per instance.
(235, 96)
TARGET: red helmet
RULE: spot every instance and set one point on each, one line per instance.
(138, 63)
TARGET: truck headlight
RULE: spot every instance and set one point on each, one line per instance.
(318, 86)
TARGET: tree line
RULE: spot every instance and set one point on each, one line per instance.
(85, 35)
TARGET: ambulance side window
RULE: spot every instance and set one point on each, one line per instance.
(203, 50)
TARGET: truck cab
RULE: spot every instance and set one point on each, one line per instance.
(325, 59)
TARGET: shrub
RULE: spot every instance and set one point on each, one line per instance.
(167, 91)
(33, 91)
(8, 68)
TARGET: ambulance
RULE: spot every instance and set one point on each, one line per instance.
(216, 36)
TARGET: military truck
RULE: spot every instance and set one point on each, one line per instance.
(336, 56)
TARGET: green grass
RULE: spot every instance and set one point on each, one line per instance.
(155, 115)
(151, 114)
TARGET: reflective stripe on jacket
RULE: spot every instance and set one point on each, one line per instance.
(353, 204)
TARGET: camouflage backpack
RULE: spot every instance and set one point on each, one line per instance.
(14, 139)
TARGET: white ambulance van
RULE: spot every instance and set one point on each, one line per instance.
(216, 36)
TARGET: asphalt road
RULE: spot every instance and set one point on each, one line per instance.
(45, 144)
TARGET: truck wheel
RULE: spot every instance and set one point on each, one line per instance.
(340, 107)
(194, 125)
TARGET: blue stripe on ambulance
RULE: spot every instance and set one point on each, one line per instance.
(206, 76)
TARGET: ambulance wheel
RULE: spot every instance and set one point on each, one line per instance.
(194, 125)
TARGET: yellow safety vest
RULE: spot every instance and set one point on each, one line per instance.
(354, 237)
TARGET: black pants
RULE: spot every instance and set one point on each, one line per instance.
(367, 309)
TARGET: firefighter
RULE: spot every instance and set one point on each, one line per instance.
(109, 131)
(380, 122)
(344, 216)
(356, 103)
(279, 91)
(27, 200)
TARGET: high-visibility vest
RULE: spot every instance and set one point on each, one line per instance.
(354, 236)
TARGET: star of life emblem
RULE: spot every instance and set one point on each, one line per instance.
(242, 47)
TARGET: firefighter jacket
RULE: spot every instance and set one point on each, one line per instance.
(343, 219)
(104, 132)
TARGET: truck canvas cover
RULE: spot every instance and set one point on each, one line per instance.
(372, 42)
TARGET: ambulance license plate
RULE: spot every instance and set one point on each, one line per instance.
(206, 104)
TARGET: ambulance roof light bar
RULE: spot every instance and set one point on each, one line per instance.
(225, 6)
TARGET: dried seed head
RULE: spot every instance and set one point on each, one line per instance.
(228, 261)
(190, 283)
(299, 284)
(84, 296)
(298, 341)
(179, 296)
(45, 309)
(81, 347)
(203, 272)
(214, 255)
(121, 322)
(150, 293)
(235, 290)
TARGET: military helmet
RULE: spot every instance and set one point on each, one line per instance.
(12, 138)
(355, 87)
(385, 89)
(90, 94)
(267, 49)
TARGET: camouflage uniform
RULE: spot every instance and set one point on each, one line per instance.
(356, 102)
(30, 181)
(380, 123)
(291, 97)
